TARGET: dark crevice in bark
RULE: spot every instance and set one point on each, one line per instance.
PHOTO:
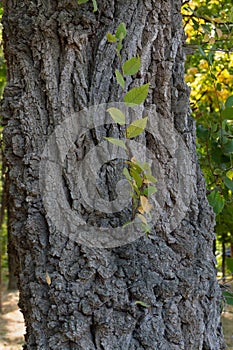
(93, 332)
(66, 188)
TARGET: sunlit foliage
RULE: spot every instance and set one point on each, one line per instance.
(209, 73)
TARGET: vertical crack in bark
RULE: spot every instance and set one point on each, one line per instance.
(93, 332)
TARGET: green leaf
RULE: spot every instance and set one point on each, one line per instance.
(146, 228)
(228, 147)
(95, 7)
(117, 142)
(230, 174)
(120, 79)
(117, 115)
(136, 95)
(132, 184)
(136, 128)
(136, 190)
(135, 165)
(219, 87)
(229, 262)
(127, 174)
(131, 66)
(202, 51)
(111, 38)
(228, 182)
(121, 31)
(227, 113)
(141, 303)
(216, 201)
(136, 176)
(82, 2)
(119, 47)
(150, 178)
(195, 24)
(213, 76)
(149, 191)
(229, 297)
(202, 132)
(210, 60)
(146, 167)
(229, 102)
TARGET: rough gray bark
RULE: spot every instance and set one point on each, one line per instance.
(59, 62)
(12, 255)
(12, 266)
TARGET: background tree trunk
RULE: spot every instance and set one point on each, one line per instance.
(59, 62)
(223, 260)
(13, 261)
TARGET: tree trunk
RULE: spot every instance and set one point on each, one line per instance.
(76, 296)
(12, 254)
(223, 260)
(231, 246)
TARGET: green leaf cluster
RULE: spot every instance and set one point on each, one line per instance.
(138, 175)
(118, 37)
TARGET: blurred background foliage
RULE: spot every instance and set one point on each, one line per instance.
(209, 73)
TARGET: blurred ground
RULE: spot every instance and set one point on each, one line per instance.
(11, 323)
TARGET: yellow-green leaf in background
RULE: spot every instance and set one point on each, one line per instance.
(229, 102)
(216, 201)
(227, 113)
